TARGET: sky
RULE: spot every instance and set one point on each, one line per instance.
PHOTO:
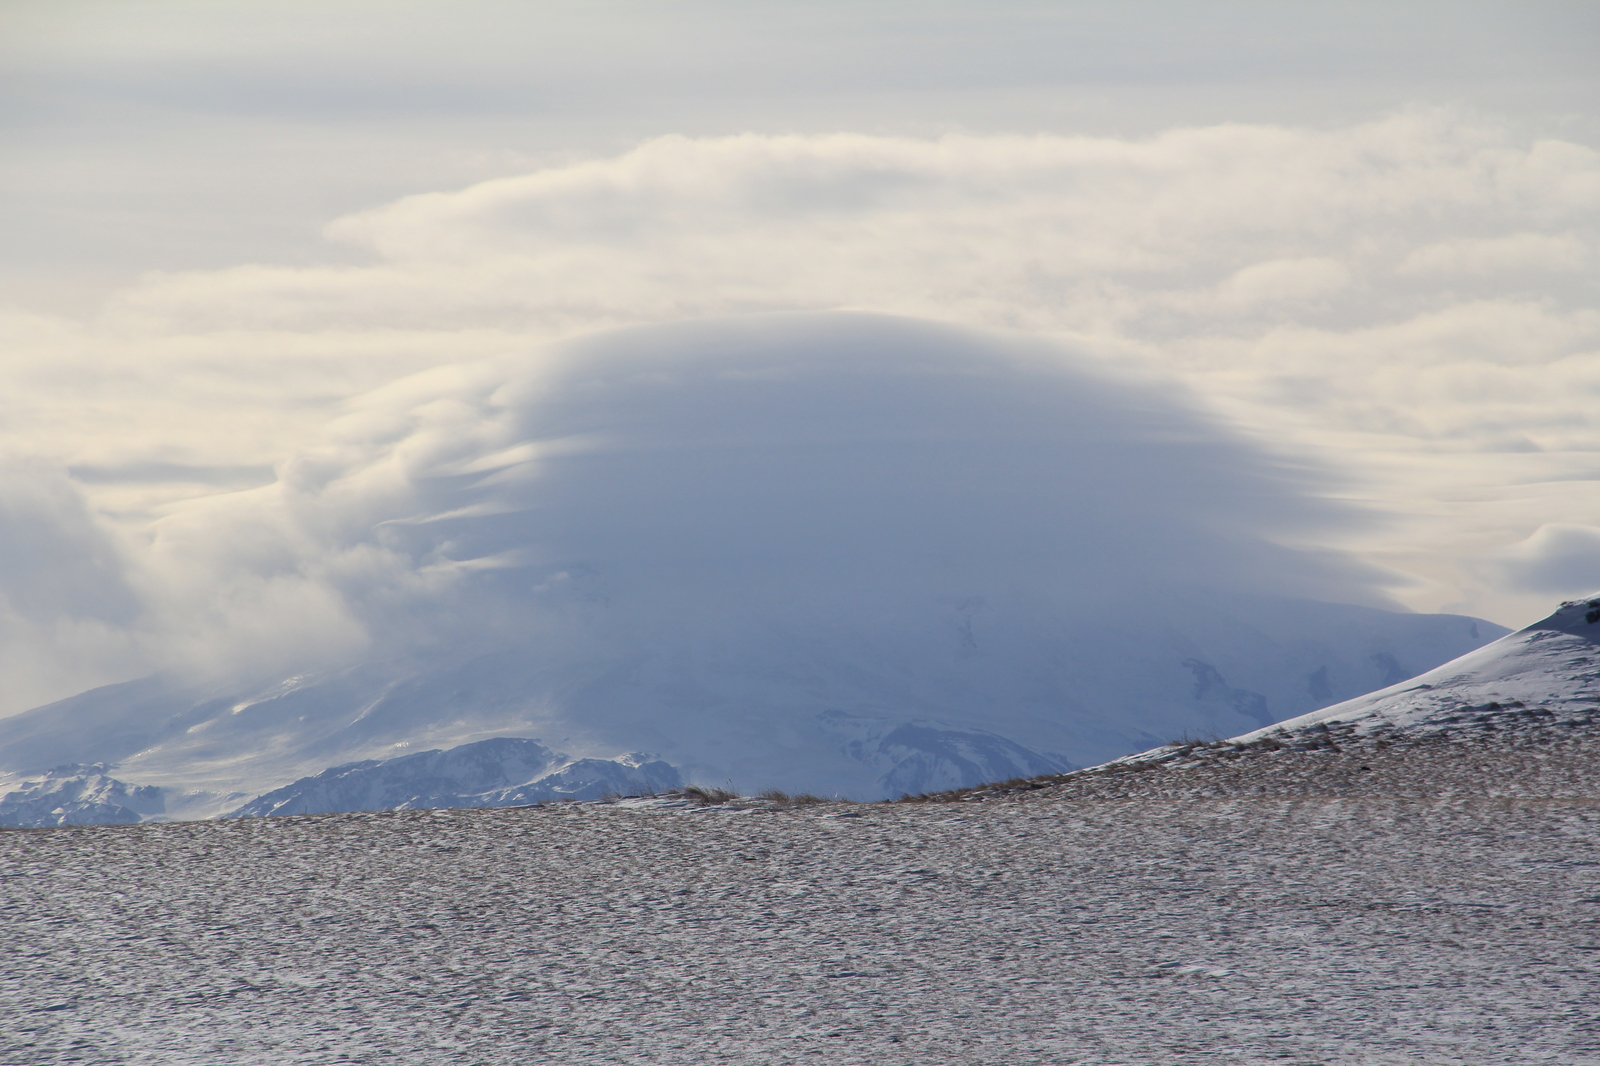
(1361, 236)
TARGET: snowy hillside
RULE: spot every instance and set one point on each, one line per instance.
(1024, 932)
(835, 554)
(1516, 719)
(1549, 669)
(77, 794)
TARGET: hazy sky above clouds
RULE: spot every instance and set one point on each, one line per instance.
(172, 134)
(1367, 234)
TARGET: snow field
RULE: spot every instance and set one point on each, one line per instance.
(1026, 930)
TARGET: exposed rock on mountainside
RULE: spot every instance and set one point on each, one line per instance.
(1514, 753)
(78, 794)
(493, 773)
(503, 772)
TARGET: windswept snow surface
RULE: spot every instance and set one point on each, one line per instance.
(1373, 932)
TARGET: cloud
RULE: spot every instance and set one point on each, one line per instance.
(1520, 253)
(1279, 281)
(1051, 233)
(1557, 558)
(696, 483)
(290, 58)
(1293, 278)
(69, 618)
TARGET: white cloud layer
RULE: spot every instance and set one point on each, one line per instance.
(1412, 299)
(691, 489)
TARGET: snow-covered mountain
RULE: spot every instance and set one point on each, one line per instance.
(835, 554)
(490, 773)
(876, 719)
(1517, 718)
(78, 794)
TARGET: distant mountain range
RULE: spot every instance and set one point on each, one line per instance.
(835, 554)
(1029, 700)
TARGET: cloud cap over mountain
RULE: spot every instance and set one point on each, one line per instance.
(798, 462)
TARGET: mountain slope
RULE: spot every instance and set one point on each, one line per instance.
(77, 794)
(1548, 669)
(1518, 718)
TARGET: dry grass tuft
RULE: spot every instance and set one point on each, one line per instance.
(708, 796)
(782, 799)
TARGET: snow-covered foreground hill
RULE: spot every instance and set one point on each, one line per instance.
(1029, 930)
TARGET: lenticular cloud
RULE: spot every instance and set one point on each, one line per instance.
(789, 471)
